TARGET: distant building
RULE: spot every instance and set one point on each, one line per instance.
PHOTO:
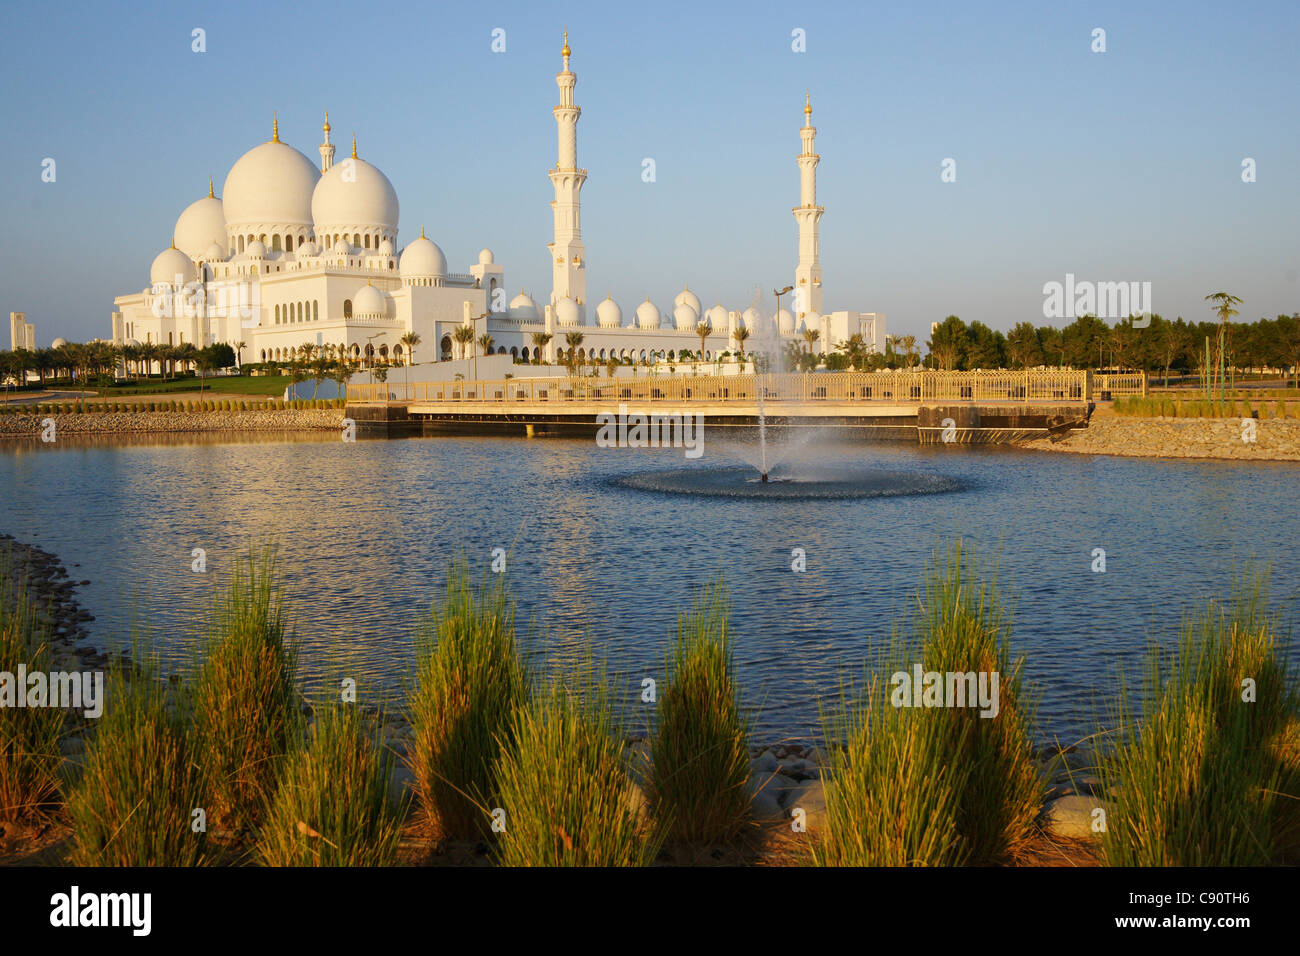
(294, 252)
(22, 334)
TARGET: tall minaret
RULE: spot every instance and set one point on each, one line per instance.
(808, 271)
(326, 148)
(568, 256)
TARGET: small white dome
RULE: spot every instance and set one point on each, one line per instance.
(308, 249)
(59, 343)
(356, 196)
(256, 249)
(647, 315)
(385, 247)
(717, 317)
(485, 257)
(342, 248)
(751, 319)
(134, 342)
(609, 315)
(566, 312)
(687, 297)
(785, 321)
(523, 307)
(271, 183)
(422, 259)
(370, 302)
(201, 225)
(169, 264)
(215, 253)
(685, 318)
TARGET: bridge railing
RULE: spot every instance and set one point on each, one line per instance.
(891, 387)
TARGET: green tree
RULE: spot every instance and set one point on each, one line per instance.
(1023, 348)
(540, 340)
(948, 343)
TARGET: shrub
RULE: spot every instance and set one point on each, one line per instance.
(1208, 777)
(29, 736)
(469, 682)
(565, 791)
(332, 807)
(995, 790)
(133, 803)
(699, 753)
(246, 708)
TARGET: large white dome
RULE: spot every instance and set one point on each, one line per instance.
(270, 184)
(369, 302)
(687, 297)
(566, 312)
(355, 196)
(169, 264)
(422, 259)
(523, 307)
(785, 320)
(608, 314)
(717, 317)
(685, 318)
(647, 315)
(201, 224)
(753, 321)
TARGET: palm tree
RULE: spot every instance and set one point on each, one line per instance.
(742, 334)
(572, 340)
(703, 330)
(811, 336)
(410, 340)
(539, 342)
(485, 342)
(1224, 308)
(464, 334)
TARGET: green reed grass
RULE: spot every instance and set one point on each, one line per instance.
(29, 736)
(470, 680)
(1202, 776)
(134, 802)
(699, 753)
(565, 790)
(246, 707)
(976, 773)
(332, 806)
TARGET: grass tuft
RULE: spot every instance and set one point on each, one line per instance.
(699, 754)
(246, 708)
(332, 806)
(469, 682)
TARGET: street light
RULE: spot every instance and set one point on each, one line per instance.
(778, 308)
(473, 324)
(369, 355)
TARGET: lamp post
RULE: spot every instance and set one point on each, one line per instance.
(473, 324)
(778, 295)
(370, 360)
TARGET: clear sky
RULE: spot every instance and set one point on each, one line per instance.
(1123, 165)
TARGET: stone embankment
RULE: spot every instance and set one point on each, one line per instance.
(1207, 438)
(137, 423)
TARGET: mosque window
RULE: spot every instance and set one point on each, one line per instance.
(367, 240)
(241, 243)
(315, 309)
(356, 239)
(277, 315)
(347, 308)
(288, 243)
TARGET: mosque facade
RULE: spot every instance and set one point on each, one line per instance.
(295, 252)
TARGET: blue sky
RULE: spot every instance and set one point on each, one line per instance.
(1123, 165)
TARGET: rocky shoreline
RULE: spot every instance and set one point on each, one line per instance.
(1218, 439)
(132, 423)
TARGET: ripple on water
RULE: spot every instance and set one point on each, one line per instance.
(811, 482)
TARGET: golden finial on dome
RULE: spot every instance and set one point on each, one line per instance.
(326, 127)
(275, 128)
(422, 236)
(565, 52)
(807, 103)
(354, 145)
(210, 195)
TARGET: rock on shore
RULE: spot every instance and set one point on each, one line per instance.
(121, 423)
(1211, 438)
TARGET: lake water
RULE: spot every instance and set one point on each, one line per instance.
(365, 531)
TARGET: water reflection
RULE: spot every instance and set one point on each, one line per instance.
(366, 529)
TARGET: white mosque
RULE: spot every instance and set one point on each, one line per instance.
(292, 254)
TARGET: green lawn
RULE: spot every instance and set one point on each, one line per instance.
(270, 385)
